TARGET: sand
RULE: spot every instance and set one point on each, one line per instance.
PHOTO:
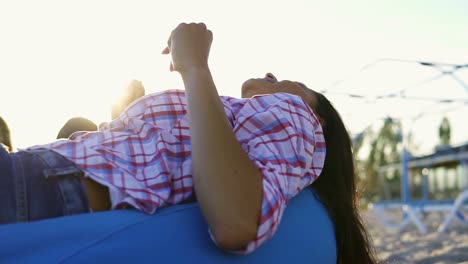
(410, 246)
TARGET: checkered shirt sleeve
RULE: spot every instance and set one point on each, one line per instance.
(284, 139)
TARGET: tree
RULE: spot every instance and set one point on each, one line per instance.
(384, 150)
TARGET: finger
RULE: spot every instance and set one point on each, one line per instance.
(136, 89)
(166, 51)
(202, 25)
(180, 26)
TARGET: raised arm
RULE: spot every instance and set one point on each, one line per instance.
(133, 91)
(227, 183)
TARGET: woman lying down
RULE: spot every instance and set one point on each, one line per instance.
(241, 159)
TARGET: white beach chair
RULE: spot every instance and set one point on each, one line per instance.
(412, 212)
(455, 212)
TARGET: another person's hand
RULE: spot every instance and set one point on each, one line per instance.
(189, 45)
(5, 147)
(133, 91)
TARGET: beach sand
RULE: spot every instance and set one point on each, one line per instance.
(410, 246)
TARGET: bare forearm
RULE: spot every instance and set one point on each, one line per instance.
(227, 183)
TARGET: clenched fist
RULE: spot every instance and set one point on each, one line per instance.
(189, 45)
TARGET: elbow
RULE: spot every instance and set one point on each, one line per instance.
(234, 238)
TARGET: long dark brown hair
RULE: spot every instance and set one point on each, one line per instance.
(5, 137)
(336, 188)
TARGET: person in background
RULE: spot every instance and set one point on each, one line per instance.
(132, 91)
(243, 159)
(76, 124)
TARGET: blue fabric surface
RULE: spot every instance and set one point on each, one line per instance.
(176, 234)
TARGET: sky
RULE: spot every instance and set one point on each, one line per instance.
(61, 59)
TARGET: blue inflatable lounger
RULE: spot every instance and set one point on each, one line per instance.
(176, 234)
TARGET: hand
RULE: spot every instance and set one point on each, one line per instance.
(133, 91)
(189, 45)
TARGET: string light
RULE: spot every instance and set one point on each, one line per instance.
(445, 69)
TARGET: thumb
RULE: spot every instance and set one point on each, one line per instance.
(166, 51)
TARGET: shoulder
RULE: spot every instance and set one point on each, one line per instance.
(275, 100)
(282, 103)
(279, 115)
(164, 95)
(163, 98)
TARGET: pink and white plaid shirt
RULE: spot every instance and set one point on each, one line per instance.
(144, 156)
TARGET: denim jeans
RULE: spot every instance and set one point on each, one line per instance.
(38, 184)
